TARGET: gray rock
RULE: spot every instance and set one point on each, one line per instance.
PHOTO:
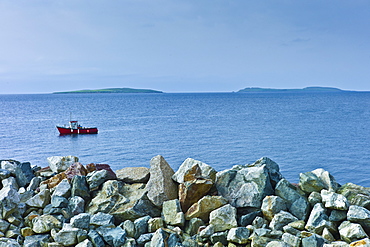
(96, 239)
(359, 215)
(206, 171)
(22, 171)
(133, 174)
(296, 203)
(193, 225)
(4, 174)
(113, 236)
(319, 220)
(67, 236)
(10, 181)
(220, 237)
(130, 242)
(36, 240)
(81, 221)
(356, 194)
(206, 232)
(247, 219)
(34, 183)
(350, 232)
(63, 189)
(44, 223)
(313, 241)
(129, 227)
(97, 178)
(39, 200)
(160, 186)
(85, 243)
(291, 240)
(314, 197)
(309, 182)
(80, 187)
(60, 164)
(164, 238)
(244, 186)
(272, 167)
(238, 235)
(145, 238)
(101, 219)
(141, 226)
(272, 205)
(59, 202)
(337, 215)
(76, 205)
(333, 200)
(172, 214)
(223, 218)
(277, 243)
(281, 219)
(4, 225)
(155, 223)
(9, 200)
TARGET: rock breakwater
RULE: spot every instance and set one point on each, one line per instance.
(69, 204)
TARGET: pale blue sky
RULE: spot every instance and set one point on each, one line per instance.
(183, 46)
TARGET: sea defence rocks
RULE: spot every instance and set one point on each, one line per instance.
(71, 204)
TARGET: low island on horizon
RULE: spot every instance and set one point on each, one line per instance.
(112, 90)
(295, 90)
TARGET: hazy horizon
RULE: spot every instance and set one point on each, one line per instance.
(183, 46)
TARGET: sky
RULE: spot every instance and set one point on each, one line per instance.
(183, 46)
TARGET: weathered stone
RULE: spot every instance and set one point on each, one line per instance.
(361, 243)
(244, 186)
(206, 171)
(155, 223)
(4, 174)
(55, 180)
(39, 200)
(326, 234)
(22, 171)
(101, 219)
(172, 214)
(204, 206)
(356, 194)
(10, 181)
(337, 215)
(145, 239)
(81, 221)
(130, 242)
(34, 183)
(133, 174)
(359, 215)
(277, 243)
(63, 189)
(76, 169)
(59, 202)
(129, 227)
(259, 222)
(337, 244)
(272, 205)
(248, 218)
(309, 182)
(44, 223)
(85, 243)
(314, 197)
(238, 235)
(4, 225)
(191, 191)
(297, 204)
(9, 200)
(76, 205)
(36, 240)
(27, 231)
(160, 186)
(319, 220)
(292, 240)
(223, 218)
(141, 226)
(80, 187)
(96, 239)
(97, 178)
(193, 225)
(281, 219)
(163, 238)
(219, 237)
(350, 232)
(59, 163)
(272, 167)
(113, 236)
(313, 241)
(207, 231)
(333, 200)
(67, 236)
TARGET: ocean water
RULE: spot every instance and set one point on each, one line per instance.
(299, 131)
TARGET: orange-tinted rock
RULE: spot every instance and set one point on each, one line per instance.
(204, 207)
(190, 192)
(54, 181)
(193, 173)
(90, 167)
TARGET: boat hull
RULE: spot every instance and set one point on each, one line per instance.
(70, 131)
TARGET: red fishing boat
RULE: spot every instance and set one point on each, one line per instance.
(75, 128)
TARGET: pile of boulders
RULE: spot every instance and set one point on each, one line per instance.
(69, 204)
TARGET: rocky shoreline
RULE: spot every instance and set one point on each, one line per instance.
(69, 204)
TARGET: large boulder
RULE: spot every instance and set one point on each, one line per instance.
(223, 218)
(244, 186)
(296, 203)
(359, 215)
(272, 205)
(206, 170)
(160, 186)
(356, 194)
(317, 180)
(61, 163)
(172, 214)
(204, 207)
(281, 219)
(333, 200)
(21, 171)
(351, 232)
(133, 174)
(272, 167)
(9, 200)
(319, 220)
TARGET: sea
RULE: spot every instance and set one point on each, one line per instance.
(299, 131)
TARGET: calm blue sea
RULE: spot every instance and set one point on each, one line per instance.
(299, 131)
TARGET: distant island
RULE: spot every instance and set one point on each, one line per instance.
(112, 90)
(306, 89)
